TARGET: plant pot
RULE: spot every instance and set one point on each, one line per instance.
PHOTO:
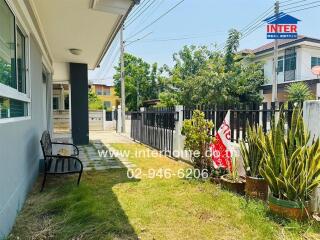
(256, 188)
(236, 187)
(290, 209)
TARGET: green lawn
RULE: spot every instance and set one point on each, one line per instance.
(108, 205)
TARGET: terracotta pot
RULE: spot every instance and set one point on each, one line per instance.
(236, 187)
(256, 188)
(290, 209)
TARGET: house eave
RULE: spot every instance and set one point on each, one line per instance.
(293, 43)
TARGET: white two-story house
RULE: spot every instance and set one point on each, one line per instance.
(296, 57)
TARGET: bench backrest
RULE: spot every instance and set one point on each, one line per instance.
(46, 144)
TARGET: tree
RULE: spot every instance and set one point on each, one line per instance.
(231, 47)
(203, 77)
(94, 102)
(140, 81)
(299, 92)
(174, 82)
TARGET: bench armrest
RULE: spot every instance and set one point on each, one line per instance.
(75, 148)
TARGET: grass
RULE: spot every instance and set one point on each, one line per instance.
(108, 205)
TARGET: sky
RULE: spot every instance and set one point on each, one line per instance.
(199, 22)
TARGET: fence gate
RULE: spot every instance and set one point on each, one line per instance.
(154, 127)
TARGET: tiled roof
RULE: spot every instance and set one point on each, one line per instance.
(269, 46)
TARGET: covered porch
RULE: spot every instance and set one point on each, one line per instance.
(76, 36)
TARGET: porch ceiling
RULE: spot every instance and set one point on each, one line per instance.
(88, 25)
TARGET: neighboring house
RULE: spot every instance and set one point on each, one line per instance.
(106, 94)
(296, 57)
(44, 42)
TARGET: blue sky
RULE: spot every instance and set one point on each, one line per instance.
(206, 22)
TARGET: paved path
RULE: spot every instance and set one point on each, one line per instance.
(99, 154)
(108, 137)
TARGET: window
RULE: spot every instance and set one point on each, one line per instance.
(107, 104)
(10, 108)
(7, 46)
(315, 61)
(14, 98)
(99, 91)
(106, 91)
(280, 64)
(55, 103)
(290, 62)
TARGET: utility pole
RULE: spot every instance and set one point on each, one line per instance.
(275, 61)
(123, 93)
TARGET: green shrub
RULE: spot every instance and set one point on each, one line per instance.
(291, 166)
(198, 138)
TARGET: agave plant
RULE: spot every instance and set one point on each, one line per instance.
(291, 166)
(252, 150)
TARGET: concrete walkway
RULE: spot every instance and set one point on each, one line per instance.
(108, 137)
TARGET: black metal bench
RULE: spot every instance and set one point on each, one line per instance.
(59, 164)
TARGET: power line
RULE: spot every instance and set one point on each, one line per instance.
(138, 10)
(178, 38)
(258, 19)
(134, 19)
(302, 9)
(142, 20)
(302, 5)
(131, 42)
(157, 19)
(288, 4)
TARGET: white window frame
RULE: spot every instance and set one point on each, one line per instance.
(12, 93)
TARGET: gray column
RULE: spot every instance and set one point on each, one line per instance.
(79, 103)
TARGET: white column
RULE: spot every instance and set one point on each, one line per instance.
(178, 138)
(311, 113)
(119, 121)
(318, 91)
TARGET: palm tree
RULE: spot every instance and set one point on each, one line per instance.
(299, 92)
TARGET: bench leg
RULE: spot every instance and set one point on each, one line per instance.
(43, 181)
(79, 178)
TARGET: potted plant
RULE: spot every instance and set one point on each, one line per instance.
(232, 181)
(291, 167)
(197, 131)
(252, 153)
(217, 173)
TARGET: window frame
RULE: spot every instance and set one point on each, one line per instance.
(13, 93)
(317, 61)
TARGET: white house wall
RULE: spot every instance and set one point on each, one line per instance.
(20, 148)
(305, 62)
(61, 72)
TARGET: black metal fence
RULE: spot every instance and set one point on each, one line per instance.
(241, 114)
(154, 127)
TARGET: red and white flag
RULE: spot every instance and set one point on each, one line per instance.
(221, 148)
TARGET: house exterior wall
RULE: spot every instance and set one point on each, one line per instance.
(20, 148)
(303, 63)
(112, 98)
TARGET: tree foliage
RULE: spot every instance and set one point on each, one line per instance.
(201, 77)
(299, 92)
(140, 81)
(94, 102)
(197, 131)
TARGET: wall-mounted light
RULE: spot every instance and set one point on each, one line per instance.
(75, 51)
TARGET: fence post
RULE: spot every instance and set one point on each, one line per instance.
(104, 119)
(178, 139)
(260, 115)
(311, 115)
(119, 119)
(143, 127)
